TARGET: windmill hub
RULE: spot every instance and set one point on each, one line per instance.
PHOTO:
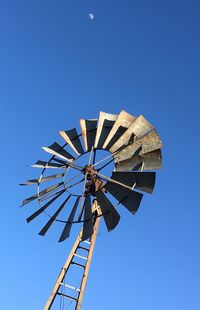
(90, 171)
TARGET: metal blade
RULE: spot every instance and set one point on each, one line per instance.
(39, 211)
(72, 138)
(40, 194)
(123, 121)
(43, 179)
(139, 127)
(88, 128)
(45, 164)
(66, 231)
(110, 215)
(59, 151)
(146, 144)
(44, 230)
(143, 181)
(128, 198)
(105, 124)
(88, 220)
(148, 161)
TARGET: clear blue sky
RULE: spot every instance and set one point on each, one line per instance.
(56, 66)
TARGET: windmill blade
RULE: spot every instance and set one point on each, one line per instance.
(146, 144)
(59, 151)
(128, 198)
(66, 231)
(42, 193)
(105, 124)
(69, 164)
(110, 215)
(44, 230)
(139, 127)
(88, 128)
(143, 181)
(72, 138)
(148, 161)
(123, 121)
(45, 164)
(88, 220)
(42, 209)
(43, 179)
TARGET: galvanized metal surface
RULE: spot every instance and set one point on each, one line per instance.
(105, 124)
(45, 164)
(134, 145)
(123, 121)
(148, 161)
(88, 128)
(43, 179)
(59, 151)
(72, 138)
(42, 193)
(138, 128)
(150, 142)
(144, 181)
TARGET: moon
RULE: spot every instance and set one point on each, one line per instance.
(91, 16)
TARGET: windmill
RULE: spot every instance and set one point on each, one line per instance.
(85, 188)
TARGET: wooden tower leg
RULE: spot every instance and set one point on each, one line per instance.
(86, 246)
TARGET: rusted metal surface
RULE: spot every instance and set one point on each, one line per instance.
(72, 138)
(110, 215)
(88, 128)
(66, 231)
(105, 124)
(58, 150)
(144, 181)
(52, 219)
(146, 144)
(138, 128)
(148, 161)
(123, 121)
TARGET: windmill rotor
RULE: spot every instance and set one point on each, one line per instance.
(80, 176)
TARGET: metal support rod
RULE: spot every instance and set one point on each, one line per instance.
(69, 262)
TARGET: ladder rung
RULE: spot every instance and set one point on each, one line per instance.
(67, 296)
(80, 265)
(83, 248)
(88, 242)
(77, 255)
(70, 286)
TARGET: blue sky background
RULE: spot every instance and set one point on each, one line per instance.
(56, 66)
